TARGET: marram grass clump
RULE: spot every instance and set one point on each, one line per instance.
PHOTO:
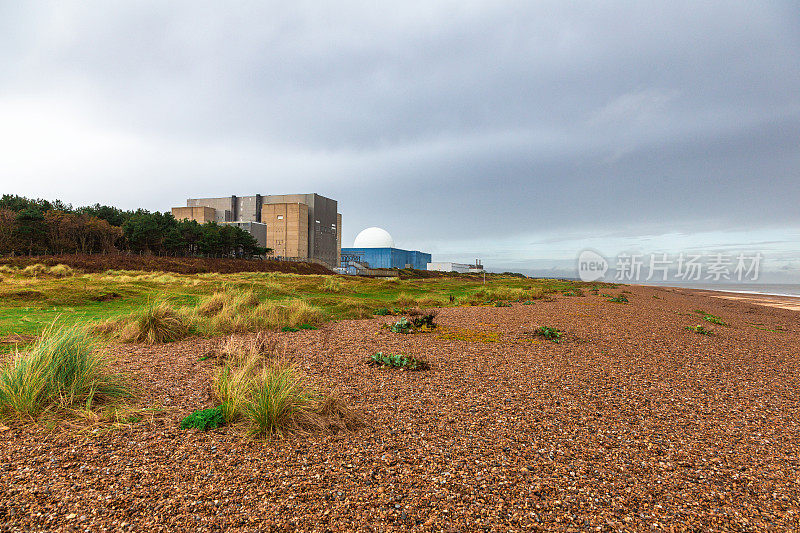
(274, 398)
(155, 324)
(63, 371)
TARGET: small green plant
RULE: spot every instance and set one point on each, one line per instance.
(714, 320)
(382, 311)
(205, 419)
(408, 362)
(502, 304)
(402, 326)
(424, 321)
(205, 357)
(307, 326)
(621, 299)
(700, 329)
(549, 333)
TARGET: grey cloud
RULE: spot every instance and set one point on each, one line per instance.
(447, 119)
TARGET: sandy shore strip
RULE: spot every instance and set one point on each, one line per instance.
(783, 302)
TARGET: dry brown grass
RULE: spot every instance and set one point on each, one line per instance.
(259, 384)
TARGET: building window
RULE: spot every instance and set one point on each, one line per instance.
(280, 217)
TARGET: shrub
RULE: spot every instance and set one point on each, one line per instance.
(64, 369)
(549, 333)
(502, 304)
(408, 362)
(382, 311)
(422, 319)
(155, 324)
(205, 419)
(621, 299)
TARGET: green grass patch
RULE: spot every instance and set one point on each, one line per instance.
(212, 304)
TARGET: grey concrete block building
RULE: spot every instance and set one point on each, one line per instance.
(302, 226)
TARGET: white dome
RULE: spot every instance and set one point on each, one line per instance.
(373, 238)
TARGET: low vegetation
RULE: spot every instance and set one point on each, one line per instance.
(261, 387)
(213, 304)
(407, 362)
(621, 299)
(549, 333)
(702, 330)
(204, 420)
(64, 371)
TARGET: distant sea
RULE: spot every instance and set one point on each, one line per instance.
(775, 289)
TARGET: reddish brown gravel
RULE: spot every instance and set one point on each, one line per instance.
(631, 423)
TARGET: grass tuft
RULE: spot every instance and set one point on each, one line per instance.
(273, 397)
(63, 370)
(155, 324)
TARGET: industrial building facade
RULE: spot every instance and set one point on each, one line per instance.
(298, 226)
(385, 258)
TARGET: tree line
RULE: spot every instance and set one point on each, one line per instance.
(37, 227)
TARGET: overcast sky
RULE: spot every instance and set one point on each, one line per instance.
(517, 132)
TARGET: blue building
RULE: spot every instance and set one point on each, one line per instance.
(386, 258)
(374, 248)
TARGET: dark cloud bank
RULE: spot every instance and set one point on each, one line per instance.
(444, 122)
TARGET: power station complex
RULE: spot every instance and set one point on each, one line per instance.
(295, 226)
(306, 227)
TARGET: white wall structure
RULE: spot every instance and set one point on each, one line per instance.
(449, 267)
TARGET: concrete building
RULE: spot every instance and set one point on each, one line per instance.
(256, 229)
(462, 268)
(298, 226)
(374, 248)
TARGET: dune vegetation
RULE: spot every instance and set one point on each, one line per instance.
(155, 307)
